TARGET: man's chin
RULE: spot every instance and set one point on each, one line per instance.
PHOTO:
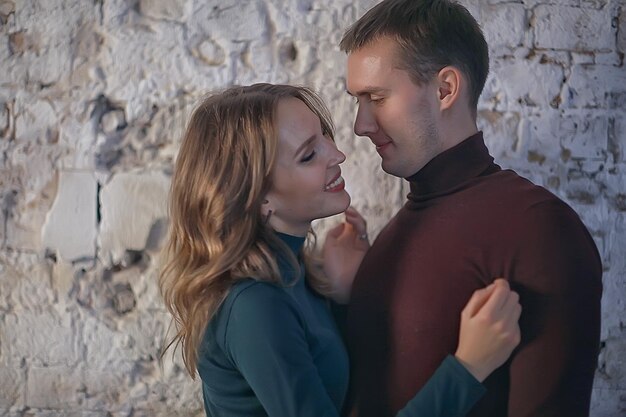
(390, 169)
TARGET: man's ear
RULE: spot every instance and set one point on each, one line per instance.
(450, 86)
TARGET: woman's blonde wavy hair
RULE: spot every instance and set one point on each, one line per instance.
(217, 233)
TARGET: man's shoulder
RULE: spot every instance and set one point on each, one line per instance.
(518, 193)
(528, 206)
(500, 198)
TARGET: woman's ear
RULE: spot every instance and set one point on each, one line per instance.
(266, 210)
(450, 86)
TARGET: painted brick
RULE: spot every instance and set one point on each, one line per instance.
(573, 28)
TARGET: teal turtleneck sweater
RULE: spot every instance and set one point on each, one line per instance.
(273, 350)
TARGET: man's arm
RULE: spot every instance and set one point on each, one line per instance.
(558, 275)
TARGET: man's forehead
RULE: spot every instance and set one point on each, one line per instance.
(369, 74)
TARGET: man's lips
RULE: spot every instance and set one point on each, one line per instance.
(380, 143)
(381, 146)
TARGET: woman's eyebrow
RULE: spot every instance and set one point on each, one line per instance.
(305, 144)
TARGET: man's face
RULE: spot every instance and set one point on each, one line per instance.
(398, 116)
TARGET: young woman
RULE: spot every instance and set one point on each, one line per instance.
(257, 164)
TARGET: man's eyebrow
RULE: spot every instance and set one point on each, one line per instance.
(305, 144)
(368, 90)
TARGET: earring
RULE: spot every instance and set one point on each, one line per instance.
(269, 213)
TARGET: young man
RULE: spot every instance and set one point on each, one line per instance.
(417, 68)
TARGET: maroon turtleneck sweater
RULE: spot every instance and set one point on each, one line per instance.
(465, 223)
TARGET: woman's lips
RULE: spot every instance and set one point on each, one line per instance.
(337, 185)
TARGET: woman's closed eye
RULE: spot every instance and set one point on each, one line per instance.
(308, 157)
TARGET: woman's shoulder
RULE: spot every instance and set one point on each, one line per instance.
(258, 307)
(251, 296)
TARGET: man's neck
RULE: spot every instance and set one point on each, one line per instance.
(455, 126)
(452, 135)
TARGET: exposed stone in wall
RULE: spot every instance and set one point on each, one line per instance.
(134, 211)
(163, 9)
(94, 96)
(75, 208)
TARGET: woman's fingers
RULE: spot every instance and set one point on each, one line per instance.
(489, 329)
(518, 313)
(477, 300)
(336, 231)
(354, 219)
(509, 304)
(497, 299)
(514, 310)
(505, 320)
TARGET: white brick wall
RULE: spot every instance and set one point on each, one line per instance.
(93, 99)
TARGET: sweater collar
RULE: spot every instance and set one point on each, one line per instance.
(452, 168)
(288, 274)
(294, 243)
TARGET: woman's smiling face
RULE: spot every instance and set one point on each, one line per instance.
(306, 181)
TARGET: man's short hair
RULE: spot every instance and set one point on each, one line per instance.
(431, 34)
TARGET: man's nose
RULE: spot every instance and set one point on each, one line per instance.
(365, 123)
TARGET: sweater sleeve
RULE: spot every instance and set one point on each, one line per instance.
(558, 275)
(266, 340)
(451, 392)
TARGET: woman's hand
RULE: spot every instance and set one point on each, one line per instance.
(489, 329)
(343, 251)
